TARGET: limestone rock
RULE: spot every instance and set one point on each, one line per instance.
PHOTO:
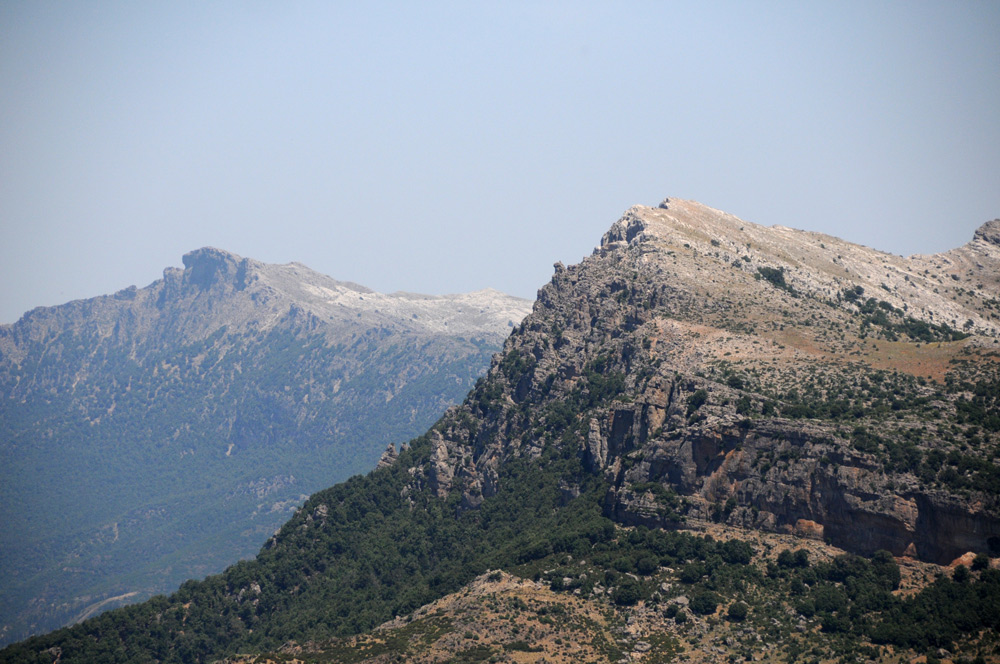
(388, 457)
(989, 232)
(743, 370)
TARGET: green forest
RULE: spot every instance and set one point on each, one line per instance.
(133, 467)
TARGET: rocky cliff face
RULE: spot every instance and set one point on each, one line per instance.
(715, 370)
(162, 433)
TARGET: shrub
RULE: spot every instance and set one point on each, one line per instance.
(829, 598)
(737, 611)
(692, 573)
(774, 275)
(647, 564)
(886, 570)
(836, 623)
(737, 552)
(789, 558)
(696, 401)
(521, 646)
(627, 593)
(704, 603)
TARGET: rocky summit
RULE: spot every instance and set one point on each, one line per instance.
(709, 441)
(163, 433)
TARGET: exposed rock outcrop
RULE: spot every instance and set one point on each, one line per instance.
(764, 377)
(989, 232)
(388, 457)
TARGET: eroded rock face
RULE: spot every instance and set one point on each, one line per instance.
(388, 457)
(847, 502)
(712, 369)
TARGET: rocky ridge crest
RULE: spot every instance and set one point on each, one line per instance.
(222, 289)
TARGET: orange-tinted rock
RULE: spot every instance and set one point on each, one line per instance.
(807, 528)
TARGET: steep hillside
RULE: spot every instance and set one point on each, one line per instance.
(770, 378)
(697, 372)
(162, 433)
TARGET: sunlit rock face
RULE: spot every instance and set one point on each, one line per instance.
(715, 370)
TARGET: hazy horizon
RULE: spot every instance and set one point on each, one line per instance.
(445, 147)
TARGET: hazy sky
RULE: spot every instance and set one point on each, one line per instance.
(446, 147)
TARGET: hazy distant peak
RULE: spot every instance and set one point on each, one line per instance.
(217, 288)
(487, 311)
(205, 254)
(209, 266)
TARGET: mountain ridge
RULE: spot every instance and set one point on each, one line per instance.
(230, 385)
(637, 273)
(675, 380)
(806, 249)
(209, 267)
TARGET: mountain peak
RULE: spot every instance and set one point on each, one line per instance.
(209, 266)
(675, 219)
(222, 371)
(989, 232)
(683, 304)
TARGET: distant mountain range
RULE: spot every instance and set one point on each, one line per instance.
(709, 441)
(163, 433)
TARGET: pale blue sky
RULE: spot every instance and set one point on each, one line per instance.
(446, 147)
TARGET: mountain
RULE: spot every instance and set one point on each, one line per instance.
(163, 433)
(710, 440)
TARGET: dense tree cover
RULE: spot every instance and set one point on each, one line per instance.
(354, 556)
(137, 466)
(942, 614)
